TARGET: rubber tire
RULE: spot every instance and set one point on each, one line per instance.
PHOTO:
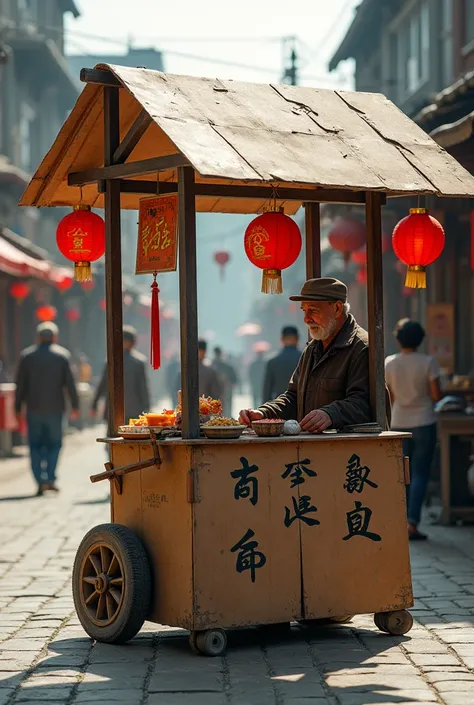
(379, 621)
(211, 642)
(137, 584)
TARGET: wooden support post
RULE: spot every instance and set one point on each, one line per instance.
(313, 240)
(373, 216)
(188, 302)
(113, 267)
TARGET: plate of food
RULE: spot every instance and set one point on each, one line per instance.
(222, 427)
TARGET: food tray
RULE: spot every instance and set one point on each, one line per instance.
(140, 432)
(267, 428)
(223, 432)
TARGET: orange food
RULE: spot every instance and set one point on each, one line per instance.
(164, 419)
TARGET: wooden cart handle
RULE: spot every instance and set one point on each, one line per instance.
(117, 472)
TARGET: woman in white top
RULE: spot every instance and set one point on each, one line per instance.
(413, 381)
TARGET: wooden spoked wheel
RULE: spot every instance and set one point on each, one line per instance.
(397, 623)
(111, 583)
(101, 576)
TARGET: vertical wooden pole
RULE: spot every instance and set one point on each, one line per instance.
(113, 266)
(373, 216)
(188, 302)
(313, 240)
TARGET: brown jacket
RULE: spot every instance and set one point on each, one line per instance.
(335, 380)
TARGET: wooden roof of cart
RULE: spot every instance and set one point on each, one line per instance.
(246, 134)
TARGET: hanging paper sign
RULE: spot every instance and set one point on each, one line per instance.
(157, 244)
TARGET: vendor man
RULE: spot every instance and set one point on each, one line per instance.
(330, 386)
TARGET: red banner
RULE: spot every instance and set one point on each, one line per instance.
(157, 245)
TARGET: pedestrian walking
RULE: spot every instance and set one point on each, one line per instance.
(209, 382)
(136, 391)
(280, 368)
(228, 379)
(44, 378)
(172, 373)
(413, 381)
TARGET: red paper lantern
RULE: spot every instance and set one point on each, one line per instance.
(360, 257)
(347, 235)
(361, 275)
(46, 313)
(73, 314)
(222, 259)
(64, 283)
(19, 291)
(418, 240)
(88, 286)
(102, 305)
(80, 237)
(272, 242)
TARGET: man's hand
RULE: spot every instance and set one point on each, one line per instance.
(75, 414)
(246, 416)
(316, 421)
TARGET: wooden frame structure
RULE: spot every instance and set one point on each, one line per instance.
(324, 118)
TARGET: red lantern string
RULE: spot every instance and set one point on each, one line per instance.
(272, 242)
(222, 258)
(64, 283)
(46, 313)
(347, 235)
(361, 275)
(418, 240)
(80, 237)
(73, 314)
(155, 343)
(102, 305)
(19, 291)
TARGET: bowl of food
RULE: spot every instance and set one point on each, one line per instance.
(268, 427)
(223, 428)
(134, 431)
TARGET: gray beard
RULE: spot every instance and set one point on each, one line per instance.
(323, 332)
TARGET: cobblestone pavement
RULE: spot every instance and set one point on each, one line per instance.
(46, 657)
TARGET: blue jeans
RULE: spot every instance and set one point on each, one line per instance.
(420, 449)
(45, 435)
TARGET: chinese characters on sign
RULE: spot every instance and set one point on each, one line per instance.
(301, 508)
(358, 519)
(247, 557)
(296, 470)
(246, 486)
(157, 235)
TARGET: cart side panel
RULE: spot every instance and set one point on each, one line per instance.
(167, 533)
(357, 560)
(226, 593)
(127, 507)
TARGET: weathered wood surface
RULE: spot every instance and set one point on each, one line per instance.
(240, 132)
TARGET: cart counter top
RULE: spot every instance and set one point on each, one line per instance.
(251, 438)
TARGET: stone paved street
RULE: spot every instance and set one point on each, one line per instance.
(46, 657)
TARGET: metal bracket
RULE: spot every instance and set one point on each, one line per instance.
(406, 469)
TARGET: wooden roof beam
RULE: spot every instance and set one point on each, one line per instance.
(99, 77)
(248, 191)
(132, 138)
(119, 171)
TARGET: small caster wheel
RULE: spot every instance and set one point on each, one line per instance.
(378, 621)
(343, 619)
(211, 642)
(396, 623)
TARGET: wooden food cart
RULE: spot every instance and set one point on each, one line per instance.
(210, 534)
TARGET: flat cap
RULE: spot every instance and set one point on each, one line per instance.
(47, 330)
(322, 289)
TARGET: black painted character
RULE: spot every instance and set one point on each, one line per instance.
(301, 507)
(246, 486)
(248, 558)
(358, 523)
(357, 475)
(296, 470)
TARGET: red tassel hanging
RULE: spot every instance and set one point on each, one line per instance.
(155, 353)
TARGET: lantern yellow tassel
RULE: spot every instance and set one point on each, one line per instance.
(271, 281)
(416, 277)
(82, 272)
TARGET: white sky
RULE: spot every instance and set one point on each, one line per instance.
(246, 32)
